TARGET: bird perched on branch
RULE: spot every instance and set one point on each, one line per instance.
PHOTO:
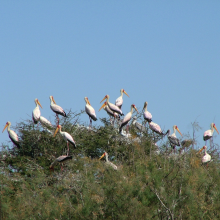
(119, 100)
(90, 111)
(36, 112)
(61, 159)
(209, 133)
(147, 115)
(108, 162)
(138, 125)
(206, 158)
(174, 141)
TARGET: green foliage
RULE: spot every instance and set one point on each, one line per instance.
(145, 186)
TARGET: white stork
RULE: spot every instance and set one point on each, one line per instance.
(119, 100)
(147, 115)
(111, 113)
(36, 112)
(90, 111)
(206, 158)
(61, 159)
(66, 136)
(56, 108)
(12, 135)
(209, 133)
(174, 141)
(127, 117)
(108, 163)
(44, 122)
(138, 125)
(113, 107)
(156, 128)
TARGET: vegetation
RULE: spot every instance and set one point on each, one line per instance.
(145, 186)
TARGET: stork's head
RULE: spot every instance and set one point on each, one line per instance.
(105, 154)
(105, 103)
(106, 97)
(52, 99)
(145, 105)
(214, 126)
(176, 128)
(57, 129)
(134, 107)
(87, 100)
(7, 124)
(123, 91)
(37, 102)
(203, 148)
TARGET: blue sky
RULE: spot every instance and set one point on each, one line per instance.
(166, 53)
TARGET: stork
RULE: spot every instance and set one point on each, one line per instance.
(66, 136)
(147, 115)
(111, 113)
(61, 159)
(127, 117)
(138, 125)
(36, 112)
(156, 128)
(90, 111)
(12, 135)
(44, 122)
(113, 107)
(209, 133)
(206, 158)
(174, 141)
(108, 163)
(119, 100)
(56, 108)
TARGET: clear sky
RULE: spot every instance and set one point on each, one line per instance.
(163, 52)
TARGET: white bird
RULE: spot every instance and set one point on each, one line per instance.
(209, 133)
(12, 135)
(113, 107)
(174, 141)
(66, 136)
(119, 100)
(90, 111)
(61, 159)
(56, 108)
(206, 158)
(44, 122)
(156, 128)
(127, 117)
(36, 112)
(108, 162)
(147, 115)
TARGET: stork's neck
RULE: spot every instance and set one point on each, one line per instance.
(145, 108)
(51, 102)
(121, 93)
(212, 128)
(131, 109)
(106, 157)
(8, 128)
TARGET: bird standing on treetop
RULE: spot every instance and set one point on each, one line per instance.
(147, 114)
(209, 133)
(206, 158)
(60, 159)
(156, 128)
(12, 135)
(127, 117)
(119, 100)
(90, 111)
(66, 136)
(36, 112)
(174, 141)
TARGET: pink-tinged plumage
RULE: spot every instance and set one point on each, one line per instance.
(36, 112)
(119, 100)
(127, 117)
(147, 115)
(206, 158)
(12, 135)
(90, 110)
(113, 107)
(56, 108)
(156, 128)
(209, 133)
(45, 122)
(60, 159)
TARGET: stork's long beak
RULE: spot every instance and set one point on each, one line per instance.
(5, 127)
(102, 156)
(53, 100)
(39, 103)
(125, 93)
(103, 99)
(201, 150)
(216, 129)
(179, 131)
(56, 131)
(88, 101)
(136, 109)
(105, 103)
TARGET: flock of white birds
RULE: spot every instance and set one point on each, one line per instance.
(115, 112)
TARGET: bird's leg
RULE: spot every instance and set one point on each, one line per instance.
(114, 119)
(90, 123)
(58, 120)
(127, 127)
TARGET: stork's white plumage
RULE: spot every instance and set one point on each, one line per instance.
(138, 125)
(36, 112)
(66, 136)
(61, 159)
(147, 115)
(108, 163)
(90, 111)
(12, 135)
(206, 158)
(174, 141)
(113, 107)
(127, 117)
(44, 122)
(56, 108)
(209, 133)
(119, 100)
(156, 128)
